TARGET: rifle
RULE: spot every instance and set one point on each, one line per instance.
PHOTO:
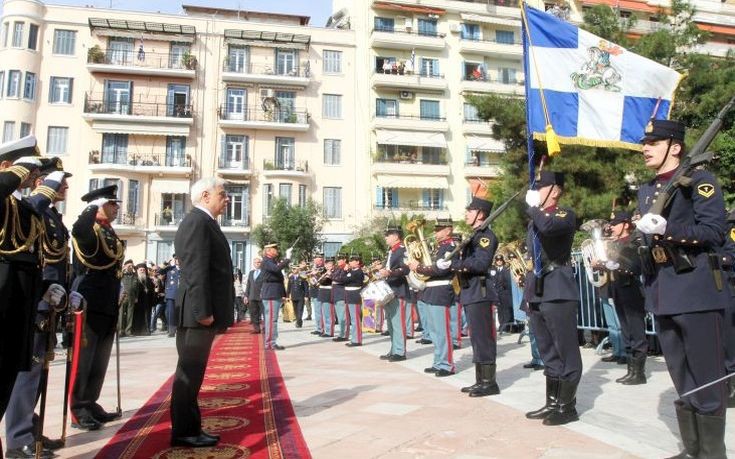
(490, 218)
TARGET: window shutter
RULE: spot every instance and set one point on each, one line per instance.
(426, 199)
(71, 88)
(222, 150)
(379, 197)
(394, 198)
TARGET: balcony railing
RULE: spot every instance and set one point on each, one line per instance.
(489, 40)
(230, 222)
(168, 219)
(303, 70)
(403, 71)
(412, 206)
(412, 32)
(509, 3)
(411, 117)
(487, 79)
(139, 58)
(110, 107)
(235, 165)
(135, 159)
(286, 116)
(298, 166)
(402, 160)
(128, 219)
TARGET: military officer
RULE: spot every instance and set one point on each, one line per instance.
(324, 296)
(172, 273)
(98, 256)
(354, 281)
(729, 263)
(317, 270)
(395, 272)
(684, 286)
(436, 300)
(553, 298)
(273, 292)
(477, 296)
(338, 296)
(297, 290)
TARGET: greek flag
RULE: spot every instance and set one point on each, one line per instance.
(591, 91)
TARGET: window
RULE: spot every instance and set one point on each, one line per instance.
(114, 148)
(235, 105)
(29, 88)
(331, 249)
(17, 34)
(133, 197)
(61, 90)
(176, 56)
(475, 72)
(177, 101)
(332, 61)
(384, 24)
(332, 150)
(332, 106)
(287, 62)
(8, 131)
(267, 199)
(429, 67)
(64, 42)
(470, 32)
(237, 252)
(32, 36)
(285, 153)
(13, 83)
(25, 129)
(286, 107)
(505, 37)
(117, 97)
(237, 59)
(430, 110)
(387, 108)
(237, 208)
(384, 64)
(6, 27)
(234, 153)
(386, 198)
(432, 199)
(302, 195)
(427, 27)
(164, 251)
(507, 76)
(176, 151)
(120, 51)
(470, 113)
(172, 208)
(332, 202)
(56, 142)
(284, 192)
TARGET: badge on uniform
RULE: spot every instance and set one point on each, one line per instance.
(561, 213)
(732, 234)
(705, 190)
(484, 242)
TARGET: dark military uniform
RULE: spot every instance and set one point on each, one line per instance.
(272, 293)
(553, 299)
(339, 275)
(172, 273)
(316, 306)
(353, 283)
(324, 297)
(728, 262)
(395, 309)
(98, 256)
(501, 279)
(298, 289)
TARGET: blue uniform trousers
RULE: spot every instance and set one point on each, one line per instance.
(535, 354)
(270, 314)
(555, 325)
(482, 332)
(424, 319)
(440, 321)
(20, 420)
(170, 315)
(613, 327)
(328, 317)
(355, 311)
(395, 312)
(341, 312)
(409, 319)
(316, 308)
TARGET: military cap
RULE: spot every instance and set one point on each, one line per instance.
(109, 192)
(319, 255)
(480, 204)
(394, 229)
(329, 259)
(547, 178)
(443, 223)
(15, 149)
(620, 216)
(341, 256)
(271, 245)
(355, 257)
(664, 129)
(499, 258)
(141, 265)
(54, 164)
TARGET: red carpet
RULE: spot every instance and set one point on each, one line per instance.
(243, 399)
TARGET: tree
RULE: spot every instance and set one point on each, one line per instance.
(287, 223)
(605, 22)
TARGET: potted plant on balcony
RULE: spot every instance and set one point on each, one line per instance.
(95, 55)
(189, 61)
(292, 118)
(268, 166)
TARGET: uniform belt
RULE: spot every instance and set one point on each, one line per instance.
(437, 283)
(352, 288)
(326, 286)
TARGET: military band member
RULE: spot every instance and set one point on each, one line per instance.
(553, 298)
(729, 264)
(354, 281)
(98, 256)
(477, 296)
(325, 298)
(297, 291)
(273, 292)
(338, 297)
(395, 272)
(316, 271)
(436, 300)
(684, 286)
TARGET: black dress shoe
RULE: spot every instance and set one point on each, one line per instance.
(535, 366)
(456, 347)
(86, 423)
(50, 444)
(278, 347)
(28, 451)
(308, 318)
(386, 356)
(339, 339)
(442, 373)
(386, 333)
(353, 344)
(194, 442)
(430, 370)
(207, 434)
(324, 335)
(316, 332)
(396, 358)
(104, 416)
(610, 358)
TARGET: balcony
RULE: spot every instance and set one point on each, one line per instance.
(476, 169)
(410, 167)
(476, 126)
(234, 225)
(161, 164)
(266, 74)
(490, 48)
(487, 85)
(423, 81)
(294, 169)
(144, 118)
(256, 118)
(128, 224)
(227, 167)
(167, 221)
(411, 122)
(404, 39)
(410, 207)
(140, 63)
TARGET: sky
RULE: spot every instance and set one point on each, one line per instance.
(318, 10)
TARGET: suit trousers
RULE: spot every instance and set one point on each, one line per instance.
(99, 329)
(341, 312)
(482, 332)
(395, 312)
(255, 307)
(20, 420)
(554, 324)
(270, 315)
(298, 309)
(193, 346)
(692, 346)
(355, 328)
(171, 319)
(729, 331)
(439, 318)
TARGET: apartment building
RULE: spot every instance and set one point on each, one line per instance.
(152, 102)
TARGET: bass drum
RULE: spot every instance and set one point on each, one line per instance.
(379, 292)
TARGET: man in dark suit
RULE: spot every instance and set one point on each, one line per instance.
(204, 302)
(252, 294)
(500, 275)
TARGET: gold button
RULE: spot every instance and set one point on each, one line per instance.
(694, 242)
(669, 238)
(683, 241)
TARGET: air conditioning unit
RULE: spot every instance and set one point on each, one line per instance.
(455, 27)
(405, 95)
(266, 93)
(409, 23)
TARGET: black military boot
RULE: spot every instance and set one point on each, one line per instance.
(688, 430)
(467, 389)
(552, 398)
(488, 385)
(731, 397)
(638, 363)
(566, 408)
(711, 436)
(627, 375)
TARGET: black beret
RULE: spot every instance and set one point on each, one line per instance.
(547, 178)
(109, 192)
(620, 217)
(15, 149)
(480, 204)
(394, 229)
(664, 129)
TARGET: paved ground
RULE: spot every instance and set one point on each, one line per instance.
(351, 404)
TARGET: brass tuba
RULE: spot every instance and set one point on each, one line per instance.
(417, 249)
(515, 257)
(594, 250)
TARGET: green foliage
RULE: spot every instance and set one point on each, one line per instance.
(605, 22)
(287, 223)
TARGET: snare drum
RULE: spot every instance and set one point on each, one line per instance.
(379, 292)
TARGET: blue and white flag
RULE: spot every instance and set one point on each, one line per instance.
(595, 92)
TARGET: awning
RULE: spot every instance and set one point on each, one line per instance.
(490, 20)
(140, 128)
(714, 28)
(170, 186)
(403, 181)
(408, 8)
(142, 30)
(416, 139)
(628, 5)
(484, 143)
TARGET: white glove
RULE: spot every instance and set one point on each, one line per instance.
(54, 294)
(56, 176)
(443, 264)
(611, 265)
(28, 160)
(651, 224)
(99, 202)
(75, 301)
(289, 252)
(533, 198)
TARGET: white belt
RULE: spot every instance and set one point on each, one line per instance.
(325, 286)
(352, 288)
(437, 283)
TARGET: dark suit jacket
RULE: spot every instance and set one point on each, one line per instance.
(205, 279)
(253, 286)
